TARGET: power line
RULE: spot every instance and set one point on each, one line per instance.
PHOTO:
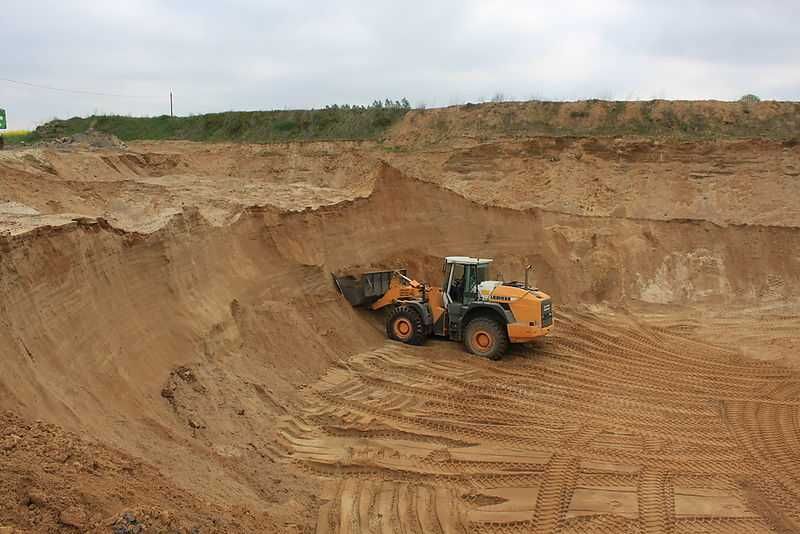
(73, 91)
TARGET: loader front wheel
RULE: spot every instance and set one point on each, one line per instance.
(486, 337)
(404, 324)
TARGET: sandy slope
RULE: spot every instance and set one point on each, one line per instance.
(172, 303)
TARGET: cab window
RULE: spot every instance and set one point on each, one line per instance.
(456, 289)
(470, 284)
(483, 273)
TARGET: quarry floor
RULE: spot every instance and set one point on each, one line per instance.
(174, 356)
(614, 424)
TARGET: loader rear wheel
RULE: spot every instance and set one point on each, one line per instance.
(404, 324)
(486, 337)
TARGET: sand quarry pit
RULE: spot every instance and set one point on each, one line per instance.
(176, 359)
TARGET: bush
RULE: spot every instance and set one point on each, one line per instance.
(332, 122)
(749, 99)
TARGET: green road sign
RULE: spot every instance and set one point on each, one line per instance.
(2, 119)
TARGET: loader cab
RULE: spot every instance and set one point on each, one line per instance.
(462, 276)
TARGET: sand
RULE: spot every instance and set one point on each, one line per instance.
(175, 356)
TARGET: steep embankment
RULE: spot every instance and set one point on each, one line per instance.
(178, 347)
(726, 182)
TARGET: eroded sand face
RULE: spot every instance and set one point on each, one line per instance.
(171, 303)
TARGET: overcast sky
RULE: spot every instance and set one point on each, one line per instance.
(263, 54)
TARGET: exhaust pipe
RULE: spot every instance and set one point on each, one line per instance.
(528, 268)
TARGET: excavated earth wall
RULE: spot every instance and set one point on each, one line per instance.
(176, 313)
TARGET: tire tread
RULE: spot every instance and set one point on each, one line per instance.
(402, 310)
(501, 344)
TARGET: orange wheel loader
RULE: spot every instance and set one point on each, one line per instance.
(485, 314)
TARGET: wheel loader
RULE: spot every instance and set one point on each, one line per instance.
(485, 314)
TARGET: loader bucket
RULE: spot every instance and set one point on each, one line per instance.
(365, 289)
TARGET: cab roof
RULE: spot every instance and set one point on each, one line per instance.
(465, 260)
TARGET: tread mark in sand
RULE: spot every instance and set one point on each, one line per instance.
(610, 404)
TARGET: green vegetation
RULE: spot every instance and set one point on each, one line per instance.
(616, 112)
(330, 123)
(654, 118)
(17, 137)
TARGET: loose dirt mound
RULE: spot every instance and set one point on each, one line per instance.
(91, 139)
(54, 481)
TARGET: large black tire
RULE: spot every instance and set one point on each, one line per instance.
(404, 324)
(486, 337)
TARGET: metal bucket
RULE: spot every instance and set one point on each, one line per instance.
(367, 288)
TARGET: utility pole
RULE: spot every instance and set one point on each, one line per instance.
(170, 104)
(2, 126)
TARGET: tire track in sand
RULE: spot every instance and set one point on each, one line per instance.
(607, 426)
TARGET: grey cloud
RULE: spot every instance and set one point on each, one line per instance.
(251, 54)
(732, 33)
